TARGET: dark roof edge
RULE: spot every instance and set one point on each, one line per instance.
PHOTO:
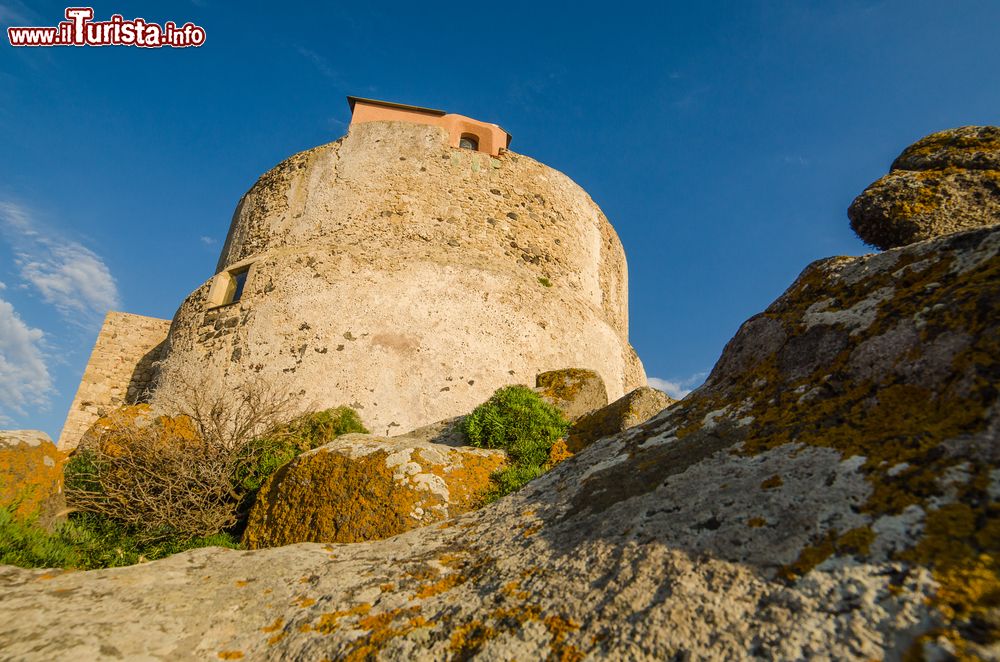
(402, 106)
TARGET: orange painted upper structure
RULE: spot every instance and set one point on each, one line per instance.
(488, 138)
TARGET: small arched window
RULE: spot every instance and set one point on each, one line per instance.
(469, 141)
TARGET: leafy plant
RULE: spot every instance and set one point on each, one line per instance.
(518, 421)
(87, 542)
(193, 473)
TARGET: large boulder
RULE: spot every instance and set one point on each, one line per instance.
(573, 391)
(31, 476)
(366, 487)
(947, 182)
(631, 409)
(831, 492)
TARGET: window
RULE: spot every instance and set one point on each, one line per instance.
(237, 280)
(469, 141)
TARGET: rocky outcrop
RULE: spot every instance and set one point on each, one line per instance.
(831, 492)
(31, 480)
(947, 182)
(631, 409)
(365, 487)
(573, 391)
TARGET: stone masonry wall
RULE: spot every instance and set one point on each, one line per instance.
(120, 371)
(409, 279)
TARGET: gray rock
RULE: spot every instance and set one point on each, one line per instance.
(631, 409)
(947, 182)
(835, 504)
(573, 391)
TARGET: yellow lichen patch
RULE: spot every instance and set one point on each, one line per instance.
(331, 496)
(513, 589)
(381, 630)
(961, 543)
(445, 584)
(557, 453)
(230, 655)
(467, 478)
(756, 522)
(275, 638)
(275, 626)
(469, 638)
(240, 583)
(328, 622)
(560, 628)
(532, 529)
(388, 586)
(852, 543)
(31, 479)
(303, 602)
(772, 482)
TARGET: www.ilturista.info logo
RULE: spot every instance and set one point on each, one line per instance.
(79, 29)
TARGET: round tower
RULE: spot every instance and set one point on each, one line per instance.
(408, 278)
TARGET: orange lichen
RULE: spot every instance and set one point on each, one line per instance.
(328, 622)
(230, 655)
(275, 626)
(772, 482)
(558, 453)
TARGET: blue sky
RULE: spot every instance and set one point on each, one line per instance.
(724, 140)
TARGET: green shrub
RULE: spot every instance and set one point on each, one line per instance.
(87, 542)
(267, 453)
(518, 421)
(152, 485)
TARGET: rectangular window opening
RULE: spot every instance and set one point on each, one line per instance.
(237, 281)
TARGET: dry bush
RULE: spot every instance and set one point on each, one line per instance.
(169, 470)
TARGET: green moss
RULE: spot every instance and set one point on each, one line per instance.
(545, 281)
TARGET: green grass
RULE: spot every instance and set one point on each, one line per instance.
(516, 420)
(87, 542)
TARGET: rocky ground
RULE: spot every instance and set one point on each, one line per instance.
(829, 493)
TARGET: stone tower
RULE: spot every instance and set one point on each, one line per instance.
(408, 277)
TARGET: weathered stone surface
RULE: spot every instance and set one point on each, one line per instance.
(829, 493)
(573, 391)
(364, 487)
(947, 182)
(970, 147)
(631, 409)
(31, 477)
(410, 280)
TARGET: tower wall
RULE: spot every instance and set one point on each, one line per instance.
(409, 279)
(120, 371)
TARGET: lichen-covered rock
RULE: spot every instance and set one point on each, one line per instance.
(573, 391)
(365, 487)
(970, 147)
(947, 182)
(831, 492)
(631, 409)
(31, 479)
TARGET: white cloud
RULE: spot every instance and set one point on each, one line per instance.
(67, 274)
(24, 379)
(208, 241)
(677, 388)
(321, 63)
